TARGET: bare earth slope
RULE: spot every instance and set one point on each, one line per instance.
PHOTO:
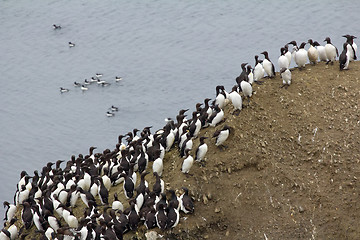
(291, 166)
(290, 169)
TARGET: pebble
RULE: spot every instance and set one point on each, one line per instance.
(217, 209)
(152, 235)
(205, 200)
(301, 209)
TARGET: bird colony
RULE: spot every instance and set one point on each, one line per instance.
(47, 199)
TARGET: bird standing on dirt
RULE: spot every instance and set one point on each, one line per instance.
(221, 135)
(351, 46)
(286, 77)
(201, 150)
(312, 52)
(268, 65)
(188, 162)
(236, 100)
(331, 51)
(344, 58)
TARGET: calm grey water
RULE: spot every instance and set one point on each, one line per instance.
(170, 56)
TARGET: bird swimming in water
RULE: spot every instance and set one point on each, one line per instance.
(110, 114)
(71, 44)
(56, 27)
(114, 109)
(83, 88)
(63, 90)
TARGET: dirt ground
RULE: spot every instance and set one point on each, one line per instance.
(290, 168)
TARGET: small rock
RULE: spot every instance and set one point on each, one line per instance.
(205, 200)
(227, 233)
(217, 209)
(301, 209)
(209, 196)
(204, 178)
(152, 235)
(229, 170)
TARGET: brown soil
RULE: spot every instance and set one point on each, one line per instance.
(290, 168)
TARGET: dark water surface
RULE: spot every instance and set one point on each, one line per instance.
(170, 56)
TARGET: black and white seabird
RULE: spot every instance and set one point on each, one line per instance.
(286, 77)
(161, 219)
(236, 100)
(201, 150)
(259, 71)
(344, 58)
(312, 52)
(173, 216)
(188, 162)
(331, 51)
(283, 61)
(268, 65)
(221, 135)
(352, 47)
(186, 203)
(63, 90)
(56, 27)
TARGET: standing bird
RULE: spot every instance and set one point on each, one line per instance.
(344, 58)
(294, 49)
(220, 96)
(283, 61)
(300, 55)
(246, 88)
(27, 215)
(217, 116)
(268, 65)
(188, 162)
(259, 71)
(10, 211)
(201, 150)
(173, 216)
(243, 75)
(186, 203)
(312, 52)
(250, 74)
(221, 135)
(161, 219)
(352, 47)
(321, 51)
(236, 100)
(287, 54)
(286, 77)
(331, 51)
(116, 204)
